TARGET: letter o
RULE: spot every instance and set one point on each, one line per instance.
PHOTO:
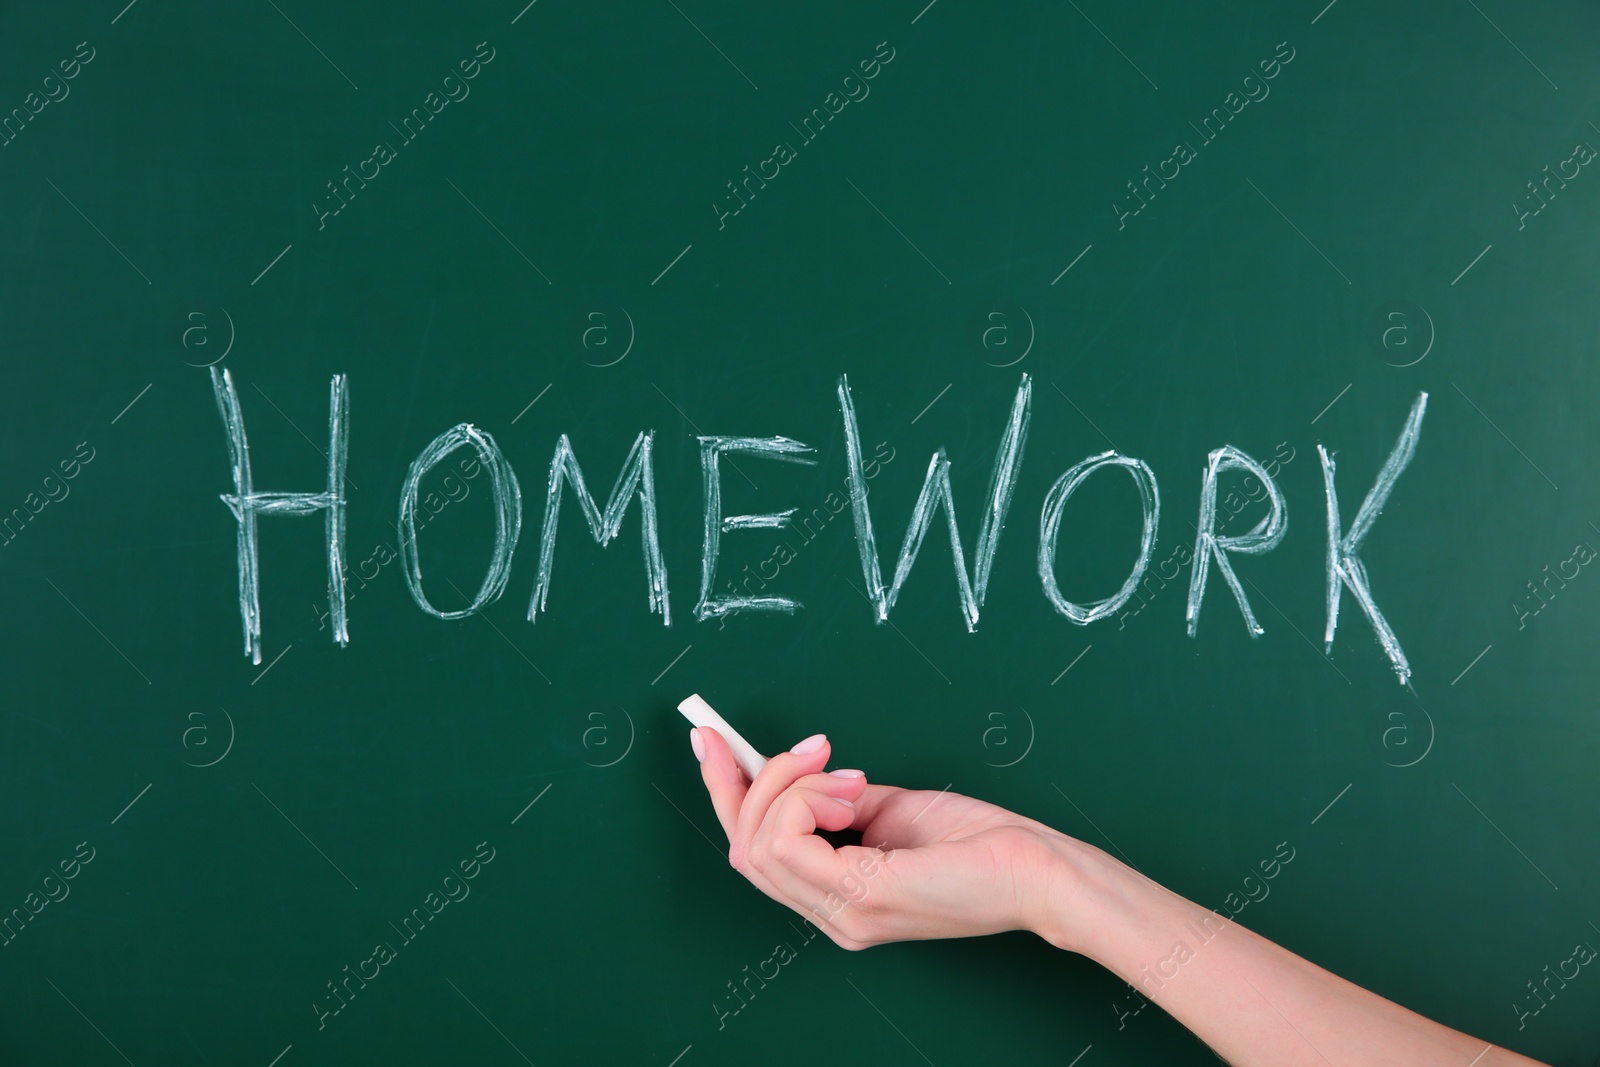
(1055, 503)
(507, 496)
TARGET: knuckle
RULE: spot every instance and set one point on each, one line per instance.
(780, 849)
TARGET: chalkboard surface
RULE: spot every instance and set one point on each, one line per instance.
(477, 286)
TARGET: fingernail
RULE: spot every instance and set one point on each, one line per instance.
(811, 744)
(846, 803)
(848, 774)
(698, 745)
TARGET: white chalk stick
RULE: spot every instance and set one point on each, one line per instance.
(700, 713)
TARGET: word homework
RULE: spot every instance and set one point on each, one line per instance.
(1212, 550)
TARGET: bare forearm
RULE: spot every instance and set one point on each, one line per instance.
(1251, 1000)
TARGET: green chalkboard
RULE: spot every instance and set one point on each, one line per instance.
(558, 243)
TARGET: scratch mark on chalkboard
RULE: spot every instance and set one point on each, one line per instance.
(936, 493)
(680, 1056)
(1502, 433)
(313, 44)
(131, 803)
(1301, 232)
(1055, 503)
(121, 13)
(1208, 546)
(286, 1049)
(721, 852)
(524, 11)
(713, 44)
(1096, 826)
(1299, 631)
(888, 1020)
(90, 1021)
(671, 665)
(271, 665)
(696, 428)
(1073, 664)
(302, 833)
(1513, 44)
(1502, 833)
(1331, 803)
(1344, 567)
(1324, 11)
(504, 637)
(1086, 418)
(532, 402)
(1332, 402)
(102, 233)
(132, 402)
(532, 802)
(499, 231)
(1086, 1049)
(490, 1021)
(924, 11)
(297, 429)
(99, 631)
(507, 495)
(1474, 263)
(1074, 263)
(674, 263)
(899, 231)
(1473, 664)
(274, 263)
(903, 636)
(637, 478)
(1113, 44)
(932, 402)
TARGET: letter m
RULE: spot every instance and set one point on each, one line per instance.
(637, 478)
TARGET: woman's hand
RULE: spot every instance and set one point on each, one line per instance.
(932, 864)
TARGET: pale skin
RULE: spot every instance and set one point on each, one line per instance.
(934, 865)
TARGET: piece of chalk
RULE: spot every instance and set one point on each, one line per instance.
(700, 713)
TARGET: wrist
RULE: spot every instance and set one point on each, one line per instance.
(1090, 899)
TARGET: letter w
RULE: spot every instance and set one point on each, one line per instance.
(935, 494)
(637, 477)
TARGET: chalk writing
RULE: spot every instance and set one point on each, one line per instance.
(637, 479)
(507, 497)
(1344, 568)
(246, 503)
(717, 524)
(936, 493)
(1210, 546)
(638, 476)
(1055, 503)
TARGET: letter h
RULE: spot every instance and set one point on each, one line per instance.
(246, 503)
